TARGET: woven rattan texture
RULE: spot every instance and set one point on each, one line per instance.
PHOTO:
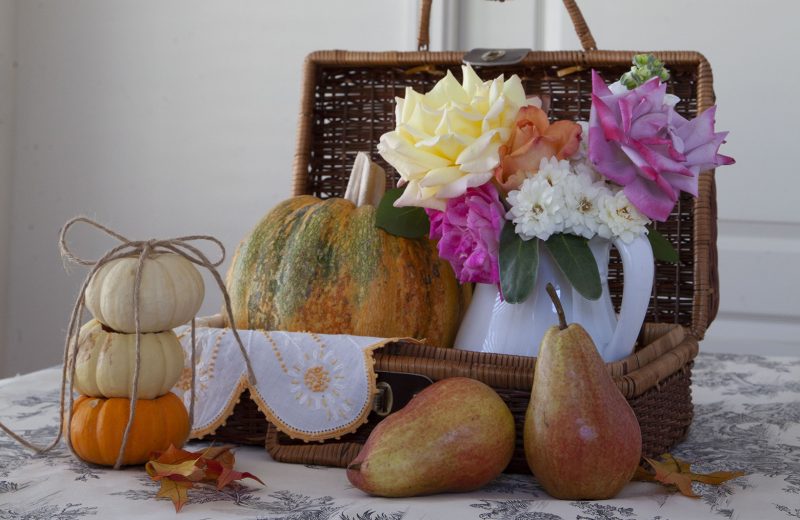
(664, 414)
(352, 106)
(655, 380)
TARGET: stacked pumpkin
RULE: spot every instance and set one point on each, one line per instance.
(171, 292)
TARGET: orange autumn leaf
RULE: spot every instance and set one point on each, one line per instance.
(672, 471)
(173, 455)
(229, 475)
(223, 454)
(216, 460)
(183, 471)
(178, 470)
(175, 491)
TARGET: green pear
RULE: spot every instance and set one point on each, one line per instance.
(456, 435)
(581, 437)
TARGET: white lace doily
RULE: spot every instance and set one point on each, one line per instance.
(310, 386)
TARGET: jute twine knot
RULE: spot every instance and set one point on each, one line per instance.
(142, 249)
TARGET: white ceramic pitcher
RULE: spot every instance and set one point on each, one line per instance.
(493, 325)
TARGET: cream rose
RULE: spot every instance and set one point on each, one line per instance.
(448, 139)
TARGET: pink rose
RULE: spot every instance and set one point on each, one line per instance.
(639, 141)
(468, 231)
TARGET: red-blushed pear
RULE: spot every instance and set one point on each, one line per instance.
(456, 435)
(581, 437)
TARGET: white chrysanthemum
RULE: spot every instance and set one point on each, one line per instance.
(581, 197)
(537, 208)
(553, 170)
(585, 168)
(619, 218)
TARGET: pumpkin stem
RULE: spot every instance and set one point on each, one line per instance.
(367, 182)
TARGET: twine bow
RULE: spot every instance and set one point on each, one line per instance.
(142, 249)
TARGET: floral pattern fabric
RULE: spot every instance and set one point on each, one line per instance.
(747, 416)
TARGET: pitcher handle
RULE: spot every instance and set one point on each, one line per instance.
(638, 268)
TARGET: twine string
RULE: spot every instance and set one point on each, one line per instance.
(137, 284)
(142, 250)
(175, 246)
(194, 365)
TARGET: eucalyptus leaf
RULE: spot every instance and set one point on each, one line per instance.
(408, 222)
(519, 261)
(573, 256)
(662, 248)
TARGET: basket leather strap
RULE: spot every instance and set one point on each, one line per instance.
(578, 23)
(424, 35)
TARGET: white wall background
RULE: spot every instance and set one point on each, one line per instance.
(178, 117)
(159, 119)
(7, 56)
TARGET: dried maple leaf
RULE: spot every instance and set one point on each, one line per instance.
(188, 470)
(178, 470)
(228, 475)
(215, 460)
(176, 491)
(219, 468)
(221, 453)
(173, 455)
(672, 471)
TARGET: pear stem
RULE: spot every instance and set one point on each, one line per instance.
(562, 318)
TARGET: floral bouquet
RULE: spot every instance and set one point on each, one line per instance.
(485, 172)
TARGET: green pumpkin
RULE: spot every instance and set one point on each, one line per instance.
(322, 266)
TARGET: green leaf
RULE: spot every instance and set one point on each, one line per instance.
(662, 248)
(576, 261)
(408, 222)
(519, 261)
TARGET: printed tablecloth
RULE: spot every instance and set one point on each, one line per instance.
(747, 416)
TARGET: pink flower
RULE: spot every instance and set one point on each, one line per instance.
(468, 231)
(640, 142)
(532, 139)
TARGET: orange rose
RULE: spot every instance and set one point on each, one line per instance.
(532, 139)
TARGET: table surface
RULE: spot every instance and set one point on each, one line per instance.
(747, 416)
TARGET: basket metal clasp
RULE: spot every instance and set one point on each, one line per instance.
(395, 389)
(384, 400)
(494, 57)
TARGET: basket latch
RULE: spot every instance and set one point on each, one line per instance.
(494, 57)
(395, 389)
(384, 399)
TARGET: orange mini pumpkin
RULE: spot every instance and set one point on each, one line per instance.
(98, 425)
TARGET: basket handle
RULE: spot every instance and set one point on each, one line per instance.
(578, 23)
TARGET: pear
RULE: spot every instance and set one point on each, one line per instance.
(581, 437)
(455, 435)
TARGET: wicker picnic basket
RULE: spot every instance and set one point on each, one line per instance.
(348, 102)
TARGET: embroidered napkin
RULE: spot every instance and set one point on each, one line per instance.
(310, 386)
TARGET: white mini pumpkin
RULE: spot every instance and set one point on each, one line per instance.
(106, 361)
(171, 293)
